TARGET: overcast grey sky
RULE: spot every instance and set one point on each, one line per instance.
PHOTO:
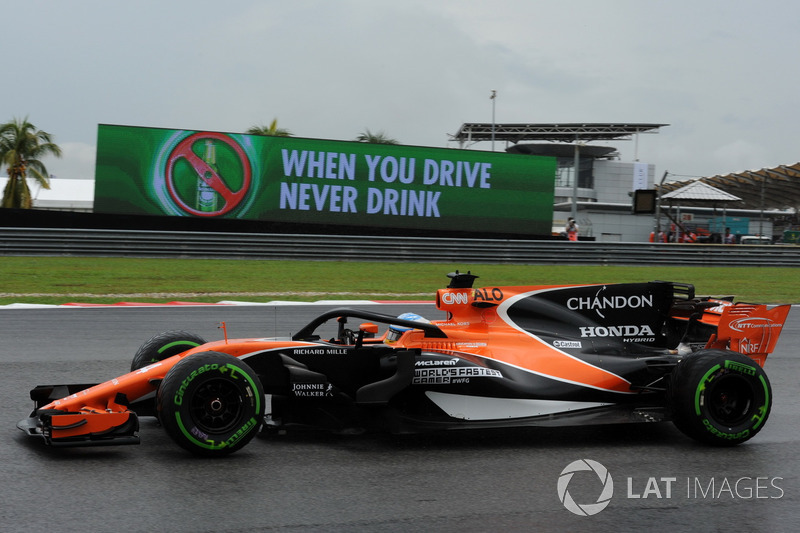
(723, 74)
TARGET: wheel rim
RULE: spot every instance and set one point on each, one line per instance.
(730, 399)
(216, 406)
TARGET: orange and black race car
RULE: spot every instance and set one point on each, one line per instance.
(504, 356)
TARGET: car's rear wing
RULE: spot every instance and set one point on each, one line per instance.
(752, 330)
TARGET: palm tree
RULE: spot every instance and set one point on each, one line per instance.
(270, 131)
(21, 147)
(375, 138)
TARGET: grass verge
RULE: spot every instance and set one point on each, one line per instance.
(57, 280)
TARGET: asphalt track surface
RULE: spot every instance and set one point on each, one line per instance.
(499, 480)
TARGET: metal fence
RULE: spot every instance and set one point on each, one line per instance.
(137, 243)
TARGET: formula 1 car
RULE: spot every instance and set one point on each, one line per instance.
(504, 356)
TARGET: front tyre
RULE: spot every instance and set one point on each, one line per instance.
(211, 403)
(719, 397)
(164, 345)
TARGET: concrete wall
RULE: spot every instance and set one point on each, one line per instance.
(613, 181)
(607, 226)
(605, 212)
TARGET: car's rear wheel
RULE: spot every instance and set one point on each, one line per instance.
(211, 403)
(719, 397)
(164, 345)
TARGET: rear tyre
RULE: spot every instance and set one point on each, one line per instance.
(164, 345)
(719, 397)
(211, 403)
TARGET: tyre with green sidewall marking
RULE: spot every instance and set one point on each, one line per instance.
(211, 403)
(164, 345)
(719, 397)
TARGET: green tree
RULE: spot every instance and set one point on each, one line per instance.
(375, 138)
(270, 131)
(21, 147)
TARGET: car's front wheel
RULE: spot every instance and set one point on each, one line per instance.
(211, 403)
(719, 397)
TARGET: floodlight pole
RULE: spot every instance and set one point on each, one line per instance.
(761, 216)
(577, 159)
(493, 98)
(658, 206)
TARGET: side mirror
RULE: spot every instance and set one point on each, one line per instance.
(369, 329)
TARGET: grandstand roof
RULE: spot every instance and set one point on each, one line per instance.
(767, 188)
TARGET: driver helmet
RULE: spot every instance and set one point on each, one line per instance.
(396, 331)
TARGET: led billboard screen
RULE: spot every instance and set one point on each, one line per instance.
(288, 179)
